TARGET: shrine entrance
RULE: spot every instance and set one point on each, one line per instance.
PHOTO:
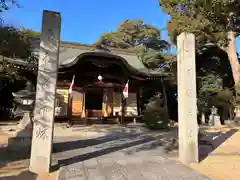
(99, 81)
(58, 63)
(94, 101)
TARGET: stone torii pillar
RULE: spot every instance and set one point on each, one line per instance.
(43, 121)
(187, 99)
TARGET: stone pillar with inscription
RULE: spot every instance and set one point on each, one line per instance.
(43, 121)
(187, 99)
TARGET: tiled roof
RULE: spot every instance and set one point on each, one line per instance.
(69, 52)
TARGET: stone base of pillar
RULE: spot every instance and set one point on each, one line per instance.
(134, 121)
(203, 118)
(215, 120)
(22, 137)
(237, 113)
(26, 121)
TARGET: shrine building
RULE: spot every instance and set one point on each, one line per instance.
(100, 77)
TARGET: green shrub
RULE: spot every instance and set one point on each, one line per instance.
(224, 101)
(155, 114)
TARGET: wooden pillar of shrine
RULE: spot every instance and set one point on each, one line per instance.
(69, 111)
(123, 106)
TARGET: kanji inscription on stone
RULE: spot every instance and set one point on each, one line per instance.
(187, 99)
(45, 93)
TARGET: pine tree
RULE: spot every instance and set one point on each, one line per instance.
(144, 38)
(212, 21)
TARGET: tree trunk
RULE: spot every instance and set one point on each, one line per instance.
(233, 60)
(165, 98)
(232, 56)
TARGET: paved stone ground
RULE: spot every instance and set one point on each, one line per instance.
(120, 156)
(224, 162)
(123, 153)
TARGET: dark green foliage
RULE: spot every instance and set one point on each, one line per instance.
(132, 33)
(214, 76)
(223, 98)
(209, 20)
(13, 43)
(156, 60)
(224, 101)
(154, 100)
(155, 114)
(6, 4)
(213, 21)
(29, 33)
(144, 38)
(238, 93)
(150, 89)
(215, 24)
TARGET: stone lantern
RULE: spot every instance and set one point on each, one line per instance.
(24, 100)
(214, 117)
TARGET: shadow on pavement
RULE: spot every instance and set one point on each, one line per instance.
(113, 147)
(213, 140)
(25, 175)
(71, 145)
(100, 146)
(114, 142)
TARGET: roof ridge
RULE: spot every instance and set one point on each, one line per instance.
(77, 45)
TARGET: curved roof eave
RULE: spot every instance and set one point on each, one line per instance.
(139, 72)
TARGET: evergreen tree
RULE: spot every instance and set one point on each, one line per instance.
(6, 4)
(132, 33)
(144, 38)
(212, 21)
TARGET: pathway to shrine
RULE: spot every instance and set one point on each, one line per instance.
(120, 156)
(108, 160)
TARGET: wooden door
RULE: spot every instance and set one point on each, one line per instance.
(78, 103)
(117, 103)
(107, 105)
(131, 105)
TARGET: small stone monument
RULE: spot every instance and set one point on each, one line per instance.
(214, 119)
(237, 113)
(203, 118)
(24, 100)
(237, 107)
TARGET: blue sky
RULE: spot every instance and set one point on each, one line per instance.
(85, 20)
